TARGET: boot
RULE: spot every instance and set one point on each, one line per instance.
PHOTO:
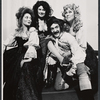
(87, 94)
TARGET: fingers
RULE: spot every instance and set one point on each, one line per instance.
(51, 61)
(21, 64)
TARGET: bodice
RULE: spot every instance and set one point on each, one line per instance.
(20, 41)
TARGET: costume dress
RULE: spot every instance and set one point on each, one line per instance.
(21, 82)
(41, 26)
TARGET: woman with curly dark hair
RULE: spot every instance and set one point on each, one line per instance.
(20, 63)
(42, 12)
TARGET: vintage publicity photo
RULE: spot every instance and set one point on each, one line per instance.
(49, 50)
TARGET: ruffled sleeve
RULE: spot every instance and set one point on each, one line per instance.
(10, 41)
(81, 39)
(32, 43)
(78, 55)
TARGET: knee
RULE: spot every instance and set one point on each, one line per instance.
(60, 86)
(81, 69)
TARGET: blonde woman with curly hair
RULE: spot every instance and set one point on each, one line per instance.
(73, 24)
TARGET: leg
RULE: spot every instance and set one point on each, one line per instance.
(60, 82)
(84, 82)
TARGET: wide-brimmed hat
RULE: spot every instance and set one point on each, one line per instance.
(53, 19)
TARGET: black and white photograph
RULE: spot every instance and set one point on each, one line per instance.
(49, 50)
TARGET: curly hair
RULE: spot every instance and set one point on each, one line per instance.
(21, 12)
(77, 21)
(46, 6)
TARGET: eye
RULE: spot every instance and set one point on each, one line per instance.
(43, 9)
(70, 11)
(56, 26)
(65, 12)
(39, 9)
(26, 17)
(51, 28)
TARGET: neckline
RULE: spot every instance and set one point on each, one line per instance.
(24, 38)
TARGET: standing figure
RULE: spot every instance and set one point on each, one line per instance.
(63, 41)
(43, 12)
(20, 64)
(73, 24)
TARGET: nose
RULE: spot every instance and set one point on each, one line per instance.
(29, 19)
(41, 11)
(67, 14)
(55, 29)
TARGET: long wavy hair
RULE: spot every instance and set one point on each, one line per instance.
(77, 21)
(19, 15)
(46, 6)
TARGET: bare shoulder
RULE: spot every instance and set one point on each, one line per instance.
(32, 29)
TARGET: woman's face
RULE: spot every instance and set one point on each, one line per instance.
(27, 19)
(41, 11)
(69, 15)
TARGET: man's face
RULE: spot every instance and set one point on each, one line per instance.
(55, 30)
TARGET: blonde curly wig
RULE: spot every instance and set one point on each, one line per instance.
(77, 21)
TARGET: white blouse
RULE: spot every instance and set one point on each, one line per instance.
(80, 36)
(78, 55)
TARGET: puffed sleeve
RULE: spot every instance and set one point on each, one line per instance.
(10, 41)
(78, 55)
(32, 43)
(81, 39)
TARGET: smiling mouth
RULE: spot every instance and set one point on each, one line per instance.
(56, 32)
(41, 13)
(29, 22)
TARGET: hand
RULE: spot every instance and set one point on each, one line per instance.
(4, 48)
(51, 61)
(72, 71)
(65, 60)
(22, 63)
(25, 60)
(67, 65)
(25, 45)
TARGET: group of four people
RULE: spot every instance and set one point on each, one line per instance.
(42, 41)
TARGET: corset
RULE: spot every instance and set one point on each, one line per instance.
(20, 41)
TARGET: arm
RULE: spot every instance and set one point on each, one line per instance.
(9, 42)
(81, 39)
(78, 55)
(25, 60)
(33, 44)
